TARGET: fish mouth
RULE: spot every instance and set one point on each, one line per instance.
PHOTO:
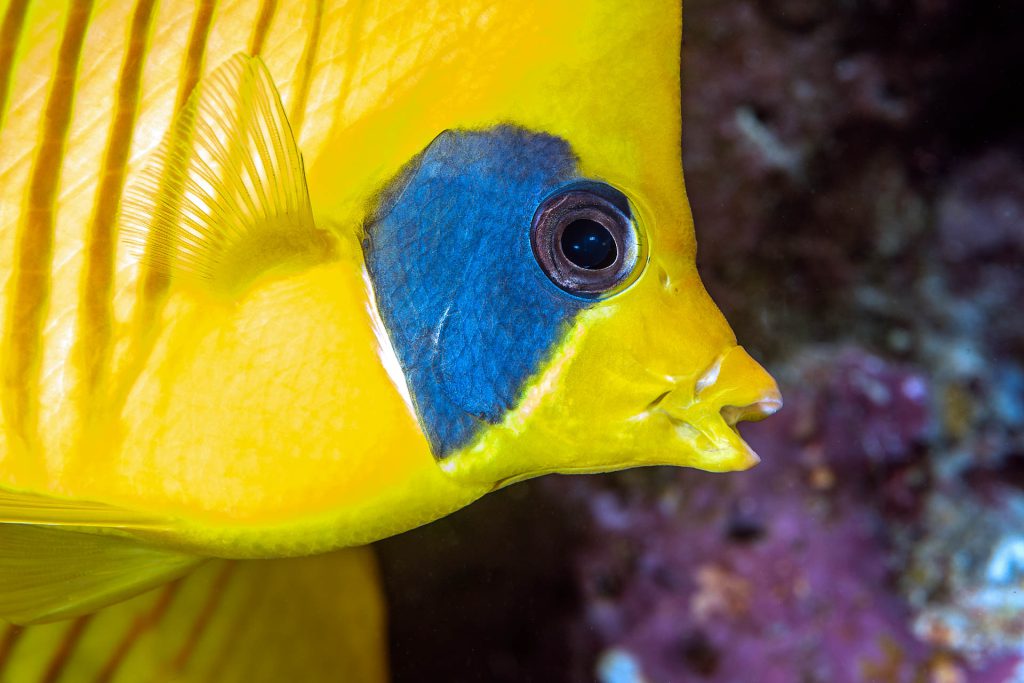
(705, 413)
(730, 416)
(754, 412)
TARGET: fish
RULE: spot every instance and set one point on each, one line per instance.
(286, 277)
(229, 621)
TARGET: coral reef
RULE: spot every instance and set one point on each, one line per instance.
(790, 572)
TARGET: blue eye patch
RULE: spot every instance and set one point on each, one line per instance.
(471, 315)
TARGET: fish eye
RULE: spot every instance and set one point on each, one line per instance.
(585, 240)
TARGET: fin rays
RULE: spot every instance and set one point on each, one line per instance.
(244, 206)
(49, 573)
(29, 508)
(59, 558)
(153, 279)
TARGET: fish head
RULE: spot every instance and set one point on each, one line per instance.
(652, 375)
(534, 262)
(548, 319)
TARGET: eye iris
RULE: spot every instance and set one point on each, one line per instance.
(588, 245)
(585, 239)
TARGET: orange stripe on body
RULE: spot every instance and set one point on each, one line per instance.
(10, 33)
(11, 637)
(259, 32)
(65, 649)
(144, 622)
(154, 282)
(206, 613)
(226, 654)
(306, 68)
(95, 322)
(34, 247)
(153, 279)
(196, 52)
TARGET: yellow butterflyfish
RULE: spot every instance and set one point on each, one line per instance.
(285, 277)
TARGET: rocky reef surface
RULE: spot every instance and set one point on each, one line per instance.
(856, 171)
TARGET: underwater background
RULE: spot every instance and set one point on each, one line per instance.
(856, 172)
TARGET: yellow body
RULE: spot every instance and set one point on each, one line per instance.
(272, 424)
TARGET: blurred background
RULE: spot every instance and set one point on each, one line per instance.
(856, 172)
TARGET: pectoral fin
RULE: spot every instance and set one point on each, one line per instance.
(49, 573)
(230, 203)
(51, 567)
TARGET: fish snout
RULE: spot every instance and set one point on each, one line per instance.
(734, 389)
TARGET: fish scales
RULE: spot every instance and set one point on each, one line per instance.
(76, 306)
(69, 290)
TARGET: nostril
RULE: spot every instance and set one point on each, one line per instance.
(664, 279)
(657, 401)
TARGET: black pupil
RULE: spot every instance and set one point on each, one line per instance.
(588, 245)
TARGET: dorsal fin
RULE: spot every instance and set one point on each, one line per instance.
(51, 567)
(233, 204)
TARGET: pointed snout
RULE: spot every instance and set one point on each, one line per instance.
(743, 389)
(733, 389)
